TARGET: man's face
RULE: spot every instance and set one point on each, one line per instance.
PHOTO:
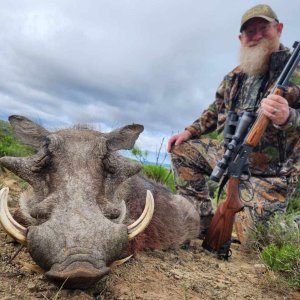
(257, 29)
(259, 40)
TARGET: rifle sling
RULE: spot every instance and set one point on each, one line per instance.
(221, 186)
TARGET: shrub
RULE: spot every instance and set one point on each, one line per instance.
(294, 205)
(281, 259)
(139, 154)
(279, 230)
(295, 79)
(160, 174)
(278, 241)
(286, 260)
(156, 171)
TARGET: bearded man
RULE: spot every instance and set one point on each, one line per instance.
(274, 165)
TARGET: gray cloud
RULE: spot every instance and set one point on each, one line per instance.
(116, 62)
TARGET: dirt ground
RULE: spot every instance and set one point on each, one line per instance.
(174, 274)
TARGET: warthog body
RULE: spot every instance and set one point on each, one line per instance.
(84, 195)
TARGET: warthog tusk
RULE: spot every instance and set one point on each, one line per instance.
(11, 226)
(143, 221)
(119, 262)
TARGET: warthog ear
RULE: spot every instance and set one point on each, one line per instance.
(27, 132)
(123, 138)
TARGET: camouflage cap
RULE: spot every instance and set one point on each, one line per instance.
(259, 11)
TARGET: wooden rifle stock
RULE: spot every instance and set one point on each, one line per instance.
(221, 226)
(260, 126)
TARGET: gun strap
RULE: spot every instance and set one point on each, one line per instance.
(240, 79)
(221, 186)
(261, 90)
(281, 135)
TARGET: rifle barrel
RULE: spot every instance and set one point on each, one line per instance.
(289, 67)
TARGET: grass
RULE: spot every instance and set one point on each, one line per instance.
(160, 174)
(214, 135)
(295, 79)
(8, 144)
(278, 245)
(57, 295)
(156, 171)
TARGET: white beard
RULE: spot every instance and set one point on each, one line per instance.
(254, 57)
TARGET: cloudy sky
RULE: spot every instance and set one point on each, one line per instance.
(114, 62)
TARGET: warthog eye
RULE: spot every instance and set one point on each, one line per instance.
(112, 213)
(110, 164)
(52, 142)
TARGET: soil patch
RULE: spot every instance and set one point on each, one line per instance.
(174, 274)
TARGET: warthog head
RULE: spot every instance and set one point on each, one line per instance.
(75, 215)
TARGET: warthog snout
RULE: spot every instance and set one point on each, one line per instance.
(77, 275)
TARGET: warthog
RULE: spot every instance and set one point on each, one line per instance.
(78, 217)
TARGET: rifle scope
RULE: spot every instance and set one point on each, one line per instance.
(244, 123)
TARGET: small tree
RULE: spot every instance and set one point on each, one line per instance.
(156, 171)
(139, 154)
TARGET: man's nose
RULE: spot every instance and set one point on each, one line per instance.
(257, 36)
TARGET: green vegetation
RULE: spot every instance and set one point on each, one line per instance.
(139, 154)
(294, 202)
(286, 260)
(295, 79)
(161, 175)
(278, 243)
(156, 171)
(215, 135)
(9, 145)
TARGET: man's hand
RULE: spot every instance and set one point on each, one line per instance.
(178, 139)
(276, 108)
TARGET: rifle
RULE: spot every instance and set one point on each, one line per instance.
(235, 162)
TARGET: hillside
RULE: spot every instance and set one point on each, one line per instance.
(8, 144)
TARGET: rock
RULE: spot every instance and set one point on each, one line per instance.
(221, 286)
(176, 274)
(222, 266)
(260, 268)
(82, 296)
(31, 286)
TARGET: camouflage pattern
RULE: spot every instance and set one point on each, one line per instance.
(272, 164)
(193, 162)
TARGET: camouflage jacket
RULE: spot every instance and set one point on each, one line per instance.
(279, 144)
